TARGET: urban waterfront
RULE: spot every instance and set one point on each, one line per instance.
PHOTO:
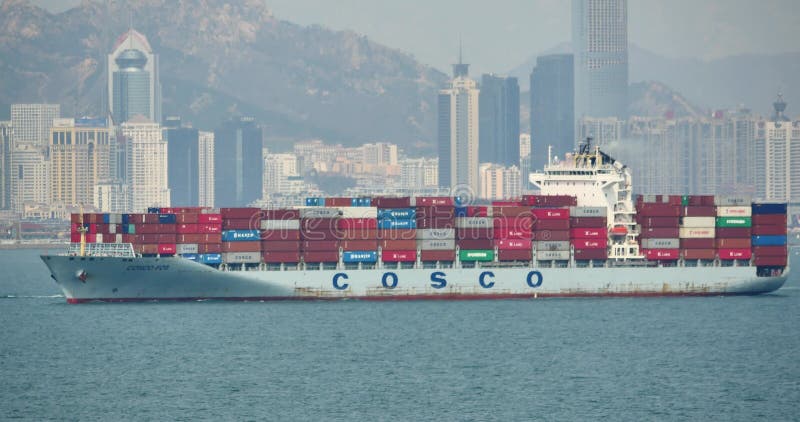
(716, 358)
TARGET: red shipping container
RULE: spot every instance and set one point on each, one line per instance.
(399, 256)
(699, 254)
(514, 255)
(473, 244)
(588, 222)
(475, 233)
(436, 223)
(590, 243)
(550, 200)
(445, 212)
(209, 228)
(359, 245)
(555, 235)
(698, 244)
(770, 251)
(511, 211)
(659, 232)
(320, 245)
(148, 249)
(732, 232)
(437, 255)
(209, 248)
(728, 254)
(514, 233)
(328, 234)
(397, 234)
(586, 254)
(391, 202)
(167, 249)
(769, 230)
(658, 210)
(187, 228)
(658, 221)
(769, 220)
(199, 238)
(551, 213)
(280, 214)
(167, 238)
(426, 201)
(187, 218)
(75, 237)
(315, 224)
(239, 213)
(707, 200)
(338, 202)
(359, 234)
(253, 246)
(278, 257)
(506, 203)
(733, 243)
(75, 218)
(661, 254)
(278, 235)
(209, 218)
(771, 261)
(128, 238)
(477, 211)
(146, 229)
(589, 233)
(92, 228)
(240, 224)
(511, 244)
(701, 211)
(320, 256)
(540, 225)
(356, 223)
(280, 245)
(147, 238)
(398, 245)
(523, 222)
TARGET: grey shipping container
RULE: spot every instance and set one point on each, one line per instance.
(552, 255)
(661, 243)
(552, 245)
(182, 248)
(319, 212)
(732, 200)
(425, 234)
(436, 244)
(588, 211)
(241, 257)
(280, 224)
(473, 222)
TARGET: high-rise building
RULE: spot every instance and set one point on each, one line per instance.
(79, 159)
(778, 156)
(600, 45)
(112, 196)
(206, 168)
(281, 174)
(552, 107)
(133, 82)
(379, 154)
(5, 165)
(419, 173)
(146, 164)
(499, 120)
(458, 132)
(499, 182)
(238, 163)
(604, 131)
(32, 123)
(29, 176)
(190, 164)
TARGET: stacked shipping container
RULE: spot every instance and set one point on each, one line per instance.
(769, 235)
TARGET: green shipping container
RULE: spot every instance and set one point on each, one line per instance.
(734, 222)
(131, 229)
(685, 200)
(476, 255)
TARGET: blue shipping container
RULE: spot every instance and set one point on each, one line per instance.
(457, 201)
(167, 219)
(126, 218)
(360, 256)
(771, 208)
(361, 202)
(764, 240)
(461, 211)
(211, 258)
(315, 202)
(240, 235)
(153, 210)
(190, 256)
(106, 219)
(397, 224)
(397, 213)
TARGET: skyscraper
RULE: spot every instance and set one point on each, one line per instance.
(133, 82)
(499, 120)
(600, 44)
(29, 153)
(206, 169)
(146, 164)
(238, 163)
(5, 165)
(778, 156)
(32, 123)
(79, 159)
(183, 150)
(458, 131)
(552, 107)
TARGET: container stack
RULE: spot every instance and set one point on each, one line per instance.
(769, 235)
(659, 218)
(280, 236)
(698, 228)
(589, 233)
(397, 229)
(319, 234)
(551, 231)
(734, 228)
(241, 236)
(475, 233)
(358, 232)
(512, 225)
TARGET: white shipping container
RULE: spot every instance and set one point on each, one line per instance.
(588, 211)
(697, 233)
(115, 218)
(359, 212)
(319, 212)
(698, 222)
(473, 222)
(552, 245)
(426, 234)
(662, 243)
(98, 238)
(280, 224)
(733, 200)
(734, 211)
(241, 257)
(112, 228)
(182, 248)
(436, 244)
(118, 238)
(552, 255)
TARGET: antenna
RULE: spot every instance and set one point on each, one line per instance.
(460, 51)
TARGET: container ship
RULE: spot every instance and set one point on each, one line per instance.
(584, 235)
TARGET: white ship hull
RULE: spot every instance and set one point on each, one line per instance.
(85, 279)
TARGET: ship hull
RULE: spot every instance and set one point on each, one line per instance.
(87, 279)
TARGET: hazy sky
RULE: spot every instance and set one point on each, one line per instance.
(501, 34)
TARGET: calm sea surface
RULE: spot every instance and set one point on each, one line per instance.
(717, 358)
